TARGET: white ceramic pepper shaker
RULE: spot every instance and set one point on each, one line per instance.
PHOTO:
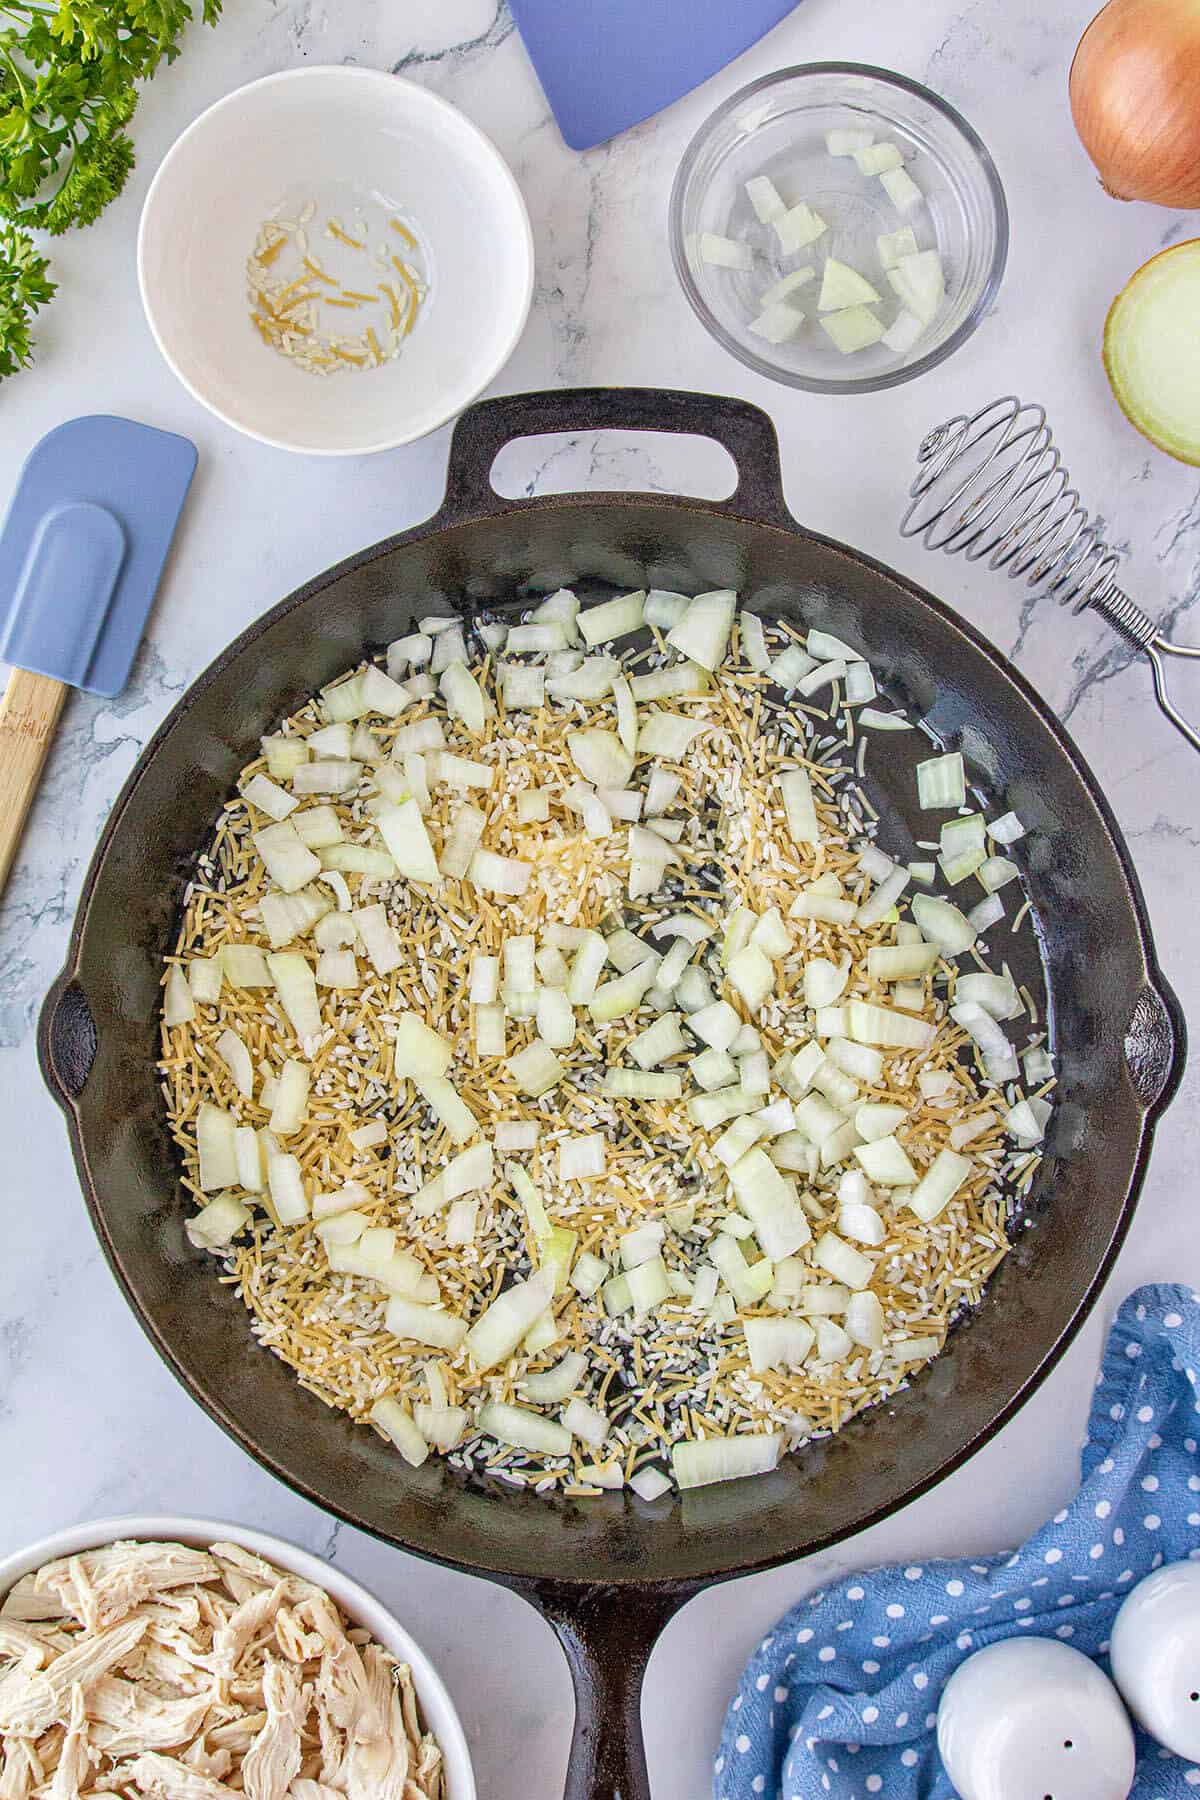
(1155, 1656)
(1031, 1719)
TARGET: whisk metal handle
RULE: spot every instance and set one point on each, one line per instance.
(994, 485)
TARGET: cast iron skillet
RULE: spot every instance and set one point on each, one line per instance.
(609, 1573)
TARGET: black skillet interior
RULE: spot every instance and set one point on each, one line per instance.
(1117, 1033)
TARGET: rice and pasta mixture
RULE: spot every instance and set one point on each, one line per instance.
(567, 1080)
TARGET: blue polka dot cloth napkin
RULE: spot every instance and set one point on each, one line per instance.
(840, 1699)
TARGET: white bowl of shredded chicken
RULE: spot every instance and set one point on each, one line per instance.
(189, 1659)
(359, 280)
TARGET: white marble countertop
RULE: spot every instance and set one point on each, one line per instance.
(90, 1422)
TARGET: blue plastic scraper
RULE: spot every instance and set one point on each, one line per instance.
(608, 64)
(81, 554)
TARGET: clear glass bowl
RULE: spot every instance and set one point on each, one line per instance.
(777, 127)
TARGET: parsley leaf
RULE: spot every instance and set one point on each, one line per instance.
(69, 74)
(24, 286)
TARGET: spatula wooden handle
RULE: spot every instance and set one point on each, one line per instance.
(28, 717)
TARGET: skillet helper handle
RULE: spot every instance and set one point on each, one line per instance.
(607, 1634)
(1156, 1044)
(28, 718)
(745, 431)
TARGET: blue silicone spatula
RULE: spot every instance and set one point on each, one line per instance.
(81, 554)
(608, 64)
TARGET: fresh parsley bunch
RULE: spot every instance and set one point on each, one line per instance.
(69, 74)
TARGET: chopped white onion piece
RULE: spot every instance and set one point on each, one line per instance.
(1006, 829)
(708, 1460)
(663, 609)
(668, 734)
(776, 324)
(591, 680)
(873, 1121)
(942, 782)
(403, 831)
(327, 777)
(496, 1334)
(876, 159)
(797, 228)
(903, 332)
(536, 1069)
(586, 965)
(379, 940)
(991, 1040)
(649, 1285)
(900, 189)
(765, 198)
(997, 994)
(268, 798)
(522, 687)
(612, 618)
(860, 684)
(967, 1130)
(458, 851)
(343, 700)
(996, 872)
(747, 1284)
(938, 1186)
(581, 1158)
(417, 1050)
(286, 1187)
(1038, 1065)
(461, 1222)
(900, 962)
(380, 693)
(791, 666)
(205, 975)
(449, 647)
(842, 286)
(869, 1024)
(179, 1000)
(842, 1261)
(216, 1146)
(297, 990)
(665, 684)
(284, 756)
(713, 1069)
(397, 1424)
(649, 1484)
(600, 757)
(750, 972)
(554, 1385)
(796, 789)
(881, 721)
(525, 1430)
(883, 899)
(777, 1343)
(533, 806)
(750, 626)
(886, 1163)
(862, 1223)
(291, 1098)
(771, 935)
(684, 925)
(588, 1275)
(287, 859)
(442, 1426)
(716, 1025)
(833, 1343)
(458, 771)
(857, 328)
(624, 995)
(769, 1201)
(1022, 1123)
(500, 874)
(892, 245)
(989, 912)
(943, 924)
(586, 1422)
(754, 1072)
(692, 990)
(724, 252)
(825, 982)
(562, 608)
(847, 141)
(484, 981)
(658, 1043)
(218, 1223)
(864, 1320)
(919, 283)
(702, 635)
(629, 1084)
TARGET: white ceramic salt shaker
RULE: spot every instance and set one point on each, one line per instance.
(1155, 1656)
(1031, 1719)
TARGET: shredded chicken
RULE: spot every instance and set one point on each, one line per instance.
(159, 1672)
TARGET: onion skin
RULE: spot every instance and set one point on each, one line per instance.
(1135, 99)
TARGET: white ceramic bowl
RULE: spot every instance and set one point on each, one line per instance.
(335, 135)
(358, 1605)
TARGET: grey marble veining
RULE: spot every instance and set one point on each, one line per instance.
(90, 1423)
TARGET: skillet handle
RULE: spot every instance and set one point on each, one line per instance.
(1156, 1044)
(607, 1634)
(66, 1040)
(743, 430)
